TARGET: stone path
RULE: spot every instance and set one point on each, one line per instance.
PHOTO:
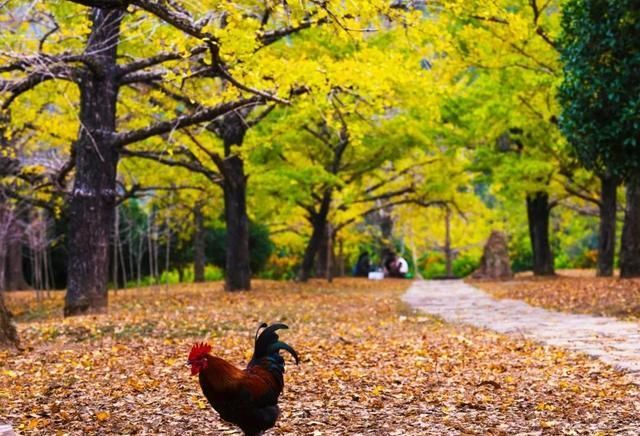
(613, 341)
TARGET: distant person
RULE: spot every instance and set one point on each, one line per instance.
(363, 265)
(388, 263)
(402, 266)
(396, 266)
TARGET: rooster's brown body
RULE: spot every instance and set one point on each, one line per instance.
(249, 397)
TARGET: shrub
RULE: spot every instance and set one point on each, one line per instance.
(465, 265)
(260, 246)
(280, 267)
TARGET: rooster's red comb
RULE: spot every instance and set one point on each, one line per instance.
(199, 350)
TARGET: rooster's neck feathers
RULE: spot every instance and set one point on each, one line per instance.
(221, 373)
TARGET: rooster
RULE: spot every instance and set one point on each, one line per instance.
(247, 398)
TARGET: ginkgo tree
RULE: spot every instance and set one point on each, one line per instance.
(94, 153)
(337, 165)
(513, 68)
(216, 50)
(327, 65)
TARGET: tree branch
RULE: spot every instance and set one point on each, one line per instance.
(194, 166)
(137, 188)
(272, 36)
(105, 4)
(157, 59)
(200, 116)
(386, 195)
(177, 18)
(30, 200)
(215, 157)
(581, 195)
(142, 77)
(15, 88)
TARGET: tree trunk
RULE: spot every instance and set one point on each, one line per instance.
(319, 223)
(340, 266)
(237, 276)
(329, 253)
(6, 223)
(8, 333)
(448, 253)
(385, 221)
(167, 259)
(3, 266)
(116, 237)
(14, 273)
(630, 246)
(414, 255)
(93, 198)
(607, 231)
(150, 239)
(538, 212)
(311, 249)
(198, 245)
(237, 268)
(130, 246)
(322, 258)
(123, 266)
(139, 256)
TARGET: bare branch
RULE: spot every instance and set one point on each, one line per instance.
(386, 195)
(318, 135)
(272, 36)
(580, 194)
(37, 202)
(261, 116)
(164, 158)
(215, 157)
(220, 69)
(50, 32)
(137, 189)
(399, 174)
(105, 4)
(142, 77)
(176, 17)
(174, 95)
(42, 62)
(541, 32)
(200, 116)
(59, 179)
(157, 59)
(17, 87)
(489, 19)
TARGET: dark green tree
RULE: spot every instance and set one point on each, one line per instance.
(600, 98)
(260, 246)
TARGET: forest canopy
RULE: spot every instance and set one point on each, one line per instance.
(154, 141)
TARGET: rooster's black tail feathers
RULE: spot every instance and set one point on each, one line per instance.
(268, 345)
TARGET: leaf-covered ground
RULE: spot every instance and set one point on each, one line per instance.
(369, 366)
(573, 291)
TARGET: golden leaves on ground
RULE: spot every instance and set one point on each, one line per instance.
(368, 365)
(573, 292)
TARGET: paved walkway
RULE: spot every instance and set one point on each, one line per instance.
(614, 342)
